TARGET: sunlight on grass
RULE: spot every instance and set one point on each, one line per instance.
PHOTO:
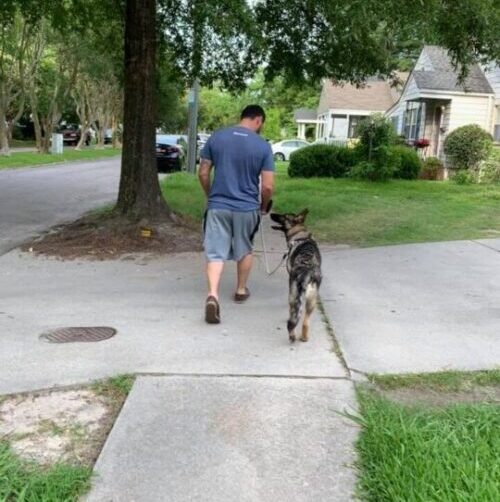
(358, 213)
(422, 454)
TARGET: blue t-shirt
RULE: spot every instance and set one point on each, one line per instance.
(239, 155)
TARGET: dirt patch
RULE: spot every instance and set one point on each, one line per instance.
(429, 397)
(107, 237)
(69, 425)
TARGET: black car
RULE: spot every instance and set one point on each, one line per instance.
(170, 153)
(71, 134)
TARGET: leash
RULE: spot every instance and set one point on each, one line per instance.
(264, 250)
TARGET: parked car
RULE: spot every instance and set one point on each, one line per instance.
(170, 153)
(71, 134)
(283, 149)
(201, 139)
(108, 136)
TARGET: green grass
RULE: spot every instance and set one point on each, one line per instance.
(33, 159)
(118, 386)
(18, 143)
(445, 381)
(29, 482)
(428, 455)
(370, 214)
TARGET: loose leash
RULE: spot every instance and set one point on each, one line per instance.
(264, 249)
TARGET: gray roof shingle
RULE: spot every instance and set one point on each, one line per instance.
(304, 114)
(440, 74)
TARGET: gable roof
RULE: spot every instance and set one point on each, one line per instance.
(304, 114)
(434, 71)
(375, 95)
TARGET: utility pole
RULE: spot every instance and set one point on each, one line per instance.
(192, 126)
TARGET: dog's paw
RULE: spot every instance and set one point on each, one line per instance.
(291, 337)
(304, 338)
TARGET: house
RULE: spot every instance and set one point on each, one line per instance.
(492, 73)
(433, 103)
(304, 118)
(342, 106)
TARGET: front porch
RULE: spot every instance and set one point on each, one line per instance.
(425, 125)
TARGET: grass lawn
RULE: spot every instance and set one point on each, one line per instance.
(29, 482)
(429, 454)
(33, 159)
(17, 143)
(370, 214)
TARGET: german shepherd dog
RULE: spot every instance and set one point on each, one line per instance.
(304, 269)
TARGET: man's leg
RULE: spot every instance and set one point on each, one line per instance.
(217, 244)
(244, 268)
(245, 226)
(214, 272)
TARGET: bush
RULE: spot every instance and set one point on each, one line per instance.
(372, 171)
(406, 164)
(375, 132)
(463, 177)
(321, 160)
(489, 170)
(467, 146)
(430, 169)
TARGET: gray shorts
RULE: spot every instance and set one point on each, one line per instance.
(229, 234)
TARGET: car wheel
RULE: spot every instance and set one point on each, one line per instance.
(279, 157)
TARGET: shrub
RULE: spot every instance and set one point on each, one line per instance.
(321, 160)
(406, 164)
(430, 168)
(375, 132)
(467, 146)
(489, 170)
(463, 177)
(372, 171)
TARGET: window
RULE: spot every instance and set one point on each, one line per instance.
(289, 144)
(395, 123)
(354, 120)
(413, 117)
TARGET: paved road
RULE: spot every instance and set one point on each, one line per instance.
(32, 200)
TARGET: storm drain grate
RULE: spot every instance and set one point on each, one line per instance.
(68, 335)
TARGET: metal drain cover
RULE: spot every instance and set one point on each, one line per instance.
(68, 335)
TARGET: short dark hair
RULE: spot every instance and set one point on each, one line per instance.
(253, 111)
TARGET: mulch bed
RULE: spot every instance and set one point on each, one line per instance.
(109, 237)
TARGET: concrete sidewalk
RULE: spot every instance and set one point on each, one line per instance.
(238, 413)
(182, 439)
(157, 307)
(416, 308)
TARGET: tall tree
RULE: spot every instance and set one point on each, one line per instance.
(139, 193)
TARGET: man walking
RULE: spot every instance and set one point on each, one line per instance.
(241, 159)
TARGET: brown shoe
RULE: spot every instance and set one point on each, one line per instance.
(212, 310)
(242, 297)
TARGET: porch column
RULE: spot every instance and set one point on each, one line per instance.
(301, 134)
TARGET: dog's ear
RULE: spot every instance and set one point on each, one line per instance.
(302, 215)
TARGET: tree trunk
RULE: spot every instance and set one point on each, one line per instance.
(4, 135)
(139, 195)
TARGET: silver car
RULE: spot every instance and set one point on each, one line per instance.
(283, 149)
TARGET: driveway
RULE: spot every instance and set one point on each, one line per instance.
(35, 199)
(416, 308)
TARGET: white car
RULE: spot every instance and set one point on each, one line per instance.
(283, 149)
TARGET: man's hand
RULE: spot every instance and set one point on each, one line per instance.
(267, 189)
(204, 175)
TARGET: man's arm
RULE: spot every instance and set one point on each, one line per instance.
(267, 188)
(204, 175)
